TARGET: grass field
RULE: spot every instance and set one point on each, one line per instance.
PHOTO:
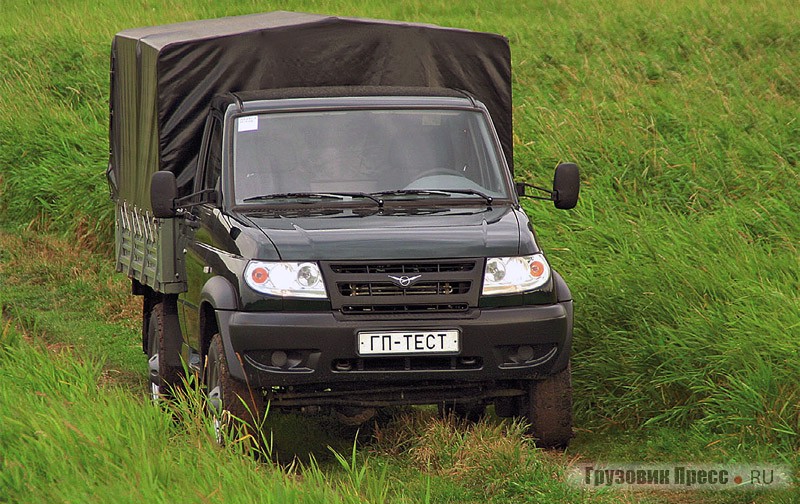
(682, 256)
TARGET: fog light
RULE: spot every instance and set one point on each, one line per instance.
(525, 353)
(279, 358)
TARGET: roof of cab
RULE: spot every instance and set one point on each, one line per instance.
(221, 102)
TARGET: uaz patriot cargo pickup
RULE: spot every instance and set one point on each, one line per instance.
(320, 214)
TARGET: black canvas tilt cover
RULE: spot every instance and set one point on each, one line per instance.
(164, 77)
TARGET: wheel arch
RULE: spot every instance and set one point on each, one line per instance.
(562, 290)
(218, 300)
(564, 297)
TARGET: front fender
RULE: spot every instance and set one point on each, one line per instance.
(565, 298)
(222, 296)
(562, 291)
(220, 293)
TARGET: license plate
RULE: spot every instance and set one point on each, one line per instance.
(409, 342)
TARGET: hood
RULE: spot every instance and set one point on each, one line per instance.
(418, 233)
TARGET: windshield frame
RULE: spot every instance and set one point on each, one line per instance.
(374, 103)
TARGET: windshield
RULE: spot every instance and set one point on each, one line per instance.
(397, 153)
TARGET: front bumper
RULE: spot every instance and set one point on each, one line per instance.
(317, 351)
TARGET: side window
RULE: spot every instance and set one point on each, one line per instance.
(213, 165)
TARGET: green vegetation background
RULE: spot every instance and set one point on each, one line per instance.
(682, 254)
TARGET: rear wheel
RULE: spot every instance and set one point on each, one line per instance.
(547, 406)
(162, 376)
(236, 408)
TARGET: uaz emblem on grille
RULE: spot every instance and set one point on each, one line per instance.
(405, 281)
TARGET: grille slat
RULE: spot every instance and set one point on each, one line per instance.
(416, 308)
(390, 289)
(393, 269)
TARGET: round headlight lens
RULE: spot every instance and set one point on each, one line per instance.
(495, 270)
(259, 275)
(537, 268)
(308, 275)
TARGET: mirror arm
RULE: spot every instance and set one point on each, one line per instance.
(184, 202)
(553, 195)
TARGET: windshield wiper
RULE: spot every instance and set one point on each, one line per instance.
(441, 192)
(312, 195)
(290, 195)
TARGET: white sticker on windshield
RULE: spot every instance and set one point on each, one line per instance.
(432, 120)
(248, 123)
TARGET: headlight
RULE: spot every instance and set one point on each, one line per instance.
(509, 275)
(286, 279)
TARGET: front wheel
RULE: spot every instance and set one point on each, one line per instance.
(547, 406)
(236, 408)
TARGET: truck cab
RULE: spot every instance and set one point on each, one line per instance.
(362, 248)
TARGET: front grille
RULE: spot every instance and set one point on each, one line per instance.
(390, 289)
(361, 288)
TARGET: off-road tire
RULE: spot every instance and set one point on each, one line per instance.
(163, 378)
(547, 406)
(233, 404)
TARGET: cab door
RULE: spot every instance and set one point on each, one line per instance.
(202, 217)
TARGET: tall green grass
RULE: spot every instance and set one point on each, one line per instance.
(71, 434)
(67, 437)
(683, 252)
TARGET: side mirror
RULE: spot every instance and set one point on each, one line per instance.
(566, 186)
(163, 191)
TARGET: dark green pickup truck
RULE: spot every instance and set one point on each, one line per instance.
(320, 213)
